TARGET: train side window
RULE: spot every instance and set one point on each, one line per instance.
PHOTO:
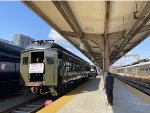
(25, 61)
(64, 64)
(143, 69)
(50, 60)
(59, 56)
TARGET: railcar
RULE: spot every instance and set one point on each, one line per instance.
(47, 67)
(141, 69)
(93, 72)
(138, 73)
(9, 68)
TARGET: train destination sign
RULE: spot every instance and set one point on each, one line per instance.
(36, 68)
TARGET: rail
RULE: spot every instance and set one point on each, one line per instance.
(138, 86)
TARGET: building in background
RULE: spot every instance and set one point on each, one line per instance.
(22, 40)
(5, 41)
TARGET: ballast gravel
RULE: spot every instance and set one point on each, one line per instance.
(13, 101)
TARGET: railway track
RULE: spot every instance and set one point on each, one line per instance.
(142, 88)
(31, 107)
(9, 96)
(35, 104)
(7, 93)
(17, 107)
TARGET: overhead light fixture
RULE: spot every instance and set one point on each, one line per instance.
(121, 53)
(92, 58)
(89, 29)
(82, 46)
(136, 11)
(123, 34)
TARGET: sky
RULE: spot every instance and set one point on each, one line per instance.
(143, 49)
(15, 17)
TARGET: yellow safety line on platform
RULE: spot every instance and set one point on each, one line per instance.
(59, 103)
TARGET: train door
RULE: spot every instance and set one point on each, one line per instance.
(24, 67)
(50, 68)
(37, 60)
(60, 66)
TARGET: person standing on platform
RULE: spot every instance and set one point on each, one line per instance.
(108, 86)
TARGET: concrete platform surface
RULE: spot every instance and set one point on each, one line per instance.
(90, 98)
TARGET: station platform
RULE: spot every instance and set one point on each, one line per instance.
(90, 98)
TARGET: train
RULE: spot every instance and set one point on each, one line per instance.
(46, 67)
(9, 68)
(136, 73)
(140, 69)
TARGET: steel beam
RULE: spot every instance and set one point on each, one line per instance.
(145, 28)
(107, 10)
(127, 50)
(38, 11)
(71, 34)
(106, 39)
(66, 12)
(106, 55)
(143, 18)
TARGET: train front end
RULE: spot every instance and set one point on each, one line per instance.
(37, 69)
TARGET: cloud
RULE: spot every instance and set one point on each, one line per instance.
(53, 35)
(69, 49)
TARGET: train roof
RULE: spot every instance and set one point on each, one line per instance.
(40, 45)
(143, 63)
(9, 47)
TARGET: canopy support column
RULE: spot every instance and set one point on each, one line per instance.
(106, 56)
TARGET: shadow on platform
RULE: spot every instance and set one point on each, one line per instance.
(88, 86)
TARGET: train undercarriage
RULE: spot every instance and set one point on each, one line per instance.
(38, 87)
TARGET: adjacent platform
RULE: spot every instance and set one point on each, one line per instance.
(90, 98)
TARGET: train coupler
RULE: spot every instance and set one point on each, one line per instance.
(53, 91)
(34, 89)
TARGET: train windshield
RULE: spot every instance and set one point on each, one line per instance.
(37, 57)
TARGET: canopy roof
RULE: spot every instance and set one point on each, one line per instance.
(125, 23)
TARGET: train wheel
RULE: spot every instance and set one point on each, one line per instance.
(34, 89)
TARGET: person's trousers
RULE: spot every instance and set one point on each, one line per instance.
(109, 93)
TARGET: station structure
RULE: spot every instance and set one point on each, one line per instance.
(107, 29)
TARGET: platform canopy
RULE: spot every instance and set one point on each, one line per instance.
(123, 23)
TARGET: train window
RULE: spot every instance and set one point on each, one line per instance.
(25, 61)
(59, 56)
(143, 69)
(146, 69)
(64, 64)
(50, 60)
(37, 57)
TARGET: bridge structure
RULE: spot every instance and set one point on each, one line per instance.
(107, 29)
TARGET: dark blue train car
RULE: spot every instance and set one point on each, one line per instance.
(9, 68)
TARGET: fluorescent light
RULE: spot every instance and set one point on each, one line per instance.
(82, 46)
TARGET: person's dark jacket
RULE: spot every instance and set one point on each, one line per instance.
(109, 81)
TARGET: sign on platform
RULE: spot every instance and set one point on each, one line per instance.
(36, 68)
